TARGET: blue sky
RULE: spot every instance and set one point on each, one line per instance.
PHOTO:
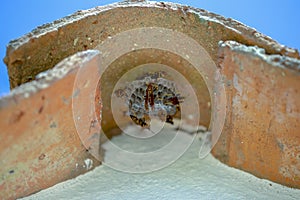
(277, 19)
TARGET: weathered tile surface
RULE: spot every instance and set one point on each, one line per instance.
(262, 129)
(39, 143)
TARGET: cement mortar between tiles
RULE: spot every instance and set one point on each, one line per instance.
(188, 178)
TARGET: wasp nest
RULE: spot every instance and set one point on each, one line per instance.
(151, 96)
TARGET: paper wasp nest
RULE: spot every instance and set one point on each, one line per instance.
(151, 96)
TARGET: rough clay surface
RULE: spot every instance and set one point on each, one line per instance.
(261, 132)
(187, 178)
(44, 47)
(49, 44)
(276, 60)
(39, 142)
(203, 14)
(45, 79)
